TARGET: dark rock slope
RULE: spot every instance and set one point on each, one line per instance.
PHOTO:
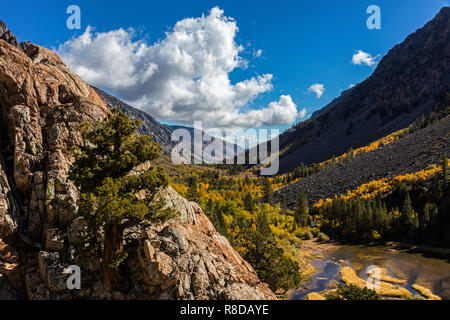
(408, 82)
(411, 153)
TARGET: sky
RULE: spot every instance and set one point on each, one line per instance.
(231, 64)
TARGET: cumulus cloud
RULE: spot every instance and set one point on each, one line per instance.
(276, 113)
(362, 57)
(318, 89)
(183, 77)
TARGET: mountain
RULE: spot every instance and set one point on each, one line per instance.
(411, 153)
(237, 149)
(408, 82)
(42, 103)
(161, 133)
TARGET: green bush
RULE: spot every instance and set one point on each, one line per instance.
(308, 235)
(300, 233)
(353, 292)
(315, 231)
(323, 237)
(295, 241)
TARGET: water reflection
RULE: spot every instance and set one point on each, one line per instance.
(430, 272)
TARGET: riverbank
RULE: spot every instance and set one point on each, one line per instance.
(440, 253)
(323, 262)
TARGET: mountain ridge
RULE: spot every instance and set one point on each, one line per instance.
(409, 81)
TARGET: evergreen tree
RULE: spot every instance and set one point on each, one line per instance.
(406, 218)
(109, 200)
(269, 260)
(193, 194)
(249, 203)
(267, 191)
(301, 210)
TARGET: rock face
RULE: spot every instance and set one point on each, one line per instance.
(188, 259)
(42, 104)
(9, 37)
(412, 79)
(8, 210)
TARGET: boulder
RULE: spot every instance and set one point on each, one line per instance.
(187, 259)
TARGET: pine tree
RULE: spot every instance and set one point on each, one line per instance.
(406, 218)
(249, 204)
(301, 210)
(267, 191)
(109, 200)
(193, 194)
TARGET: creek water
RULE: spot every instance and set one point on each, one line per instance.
(429, 272)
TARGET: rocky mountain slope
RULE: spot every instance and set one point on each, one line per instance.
(8, 36)
(194, 131)
(411, 153)
(408, 82)
(161, 133)
(42, 104)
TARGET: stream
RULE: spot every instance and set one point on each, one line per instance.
(429, 272)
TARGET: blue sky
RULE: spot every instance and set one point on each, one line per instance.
(302, 42)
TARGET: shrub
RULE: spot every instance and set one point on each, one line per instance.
(323, 237)
(300, 233)
(296, 242)
(308, 235)
(375, 236)
(315, 231)
(353, 292)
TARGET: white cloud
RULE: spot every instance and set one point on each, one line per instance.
(257, 53)
(362, 57)
(277, 113)
(318, 89)
(183, 77)
(351, 85)
(302, 113)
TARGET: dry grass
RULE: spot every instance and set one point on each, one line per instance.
(384, 276)
(349, 277)
(425, 292)
(315, 296)
(389, 290)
